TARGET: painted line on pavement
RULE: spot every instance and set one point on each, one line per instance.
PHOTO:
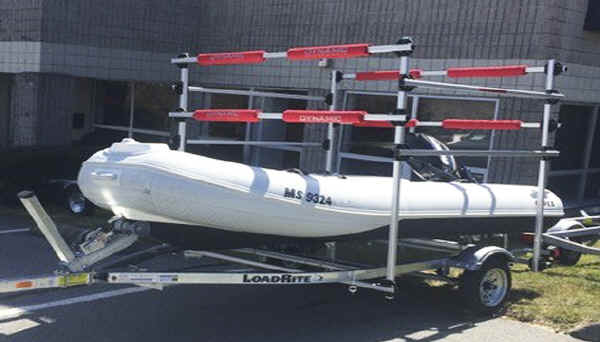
(15, 312)
(21, 230)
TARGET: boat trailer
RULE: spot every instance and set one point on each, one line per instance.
(485, 278)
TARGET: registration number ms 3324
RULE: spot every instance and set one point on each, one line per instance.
(307, 196)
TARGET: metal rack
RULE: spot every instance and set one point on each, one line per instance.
(467, 257)
(408, 79)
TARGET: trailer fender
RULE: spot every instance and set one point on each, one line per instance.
(474, 257)
(565, 224)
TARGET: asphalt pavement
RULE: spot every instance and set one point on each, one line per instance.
(229, 312)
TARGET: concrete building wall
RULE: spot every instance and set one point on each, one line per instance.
(20, 20)
(50, 44)
(24, 113)
(42, 108)
(563, 36)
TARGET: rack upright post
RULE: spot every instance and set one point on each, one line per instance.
(399, 141)
(539, 219)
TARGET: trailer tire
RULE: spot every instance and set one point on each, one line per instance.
(568, 258)
(486, 289)
(571, 258)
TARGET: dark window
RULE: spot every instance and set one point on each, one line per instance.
(371, 140)
(361, 167)
(592, 186)
(595, 156)
(115, 104)
(153, 102)
(572, 136)
(78, 120)
(592, 19)
(233, 131)
(566, 187)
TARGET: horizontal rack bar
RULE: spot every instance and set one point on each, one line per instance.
(478, 153)
(293, 54)
(251, 143)
(512, 92)
(458, 72)
(458, 124)
(365, 157)
(256, 93)
(134, 130)
(247, 115)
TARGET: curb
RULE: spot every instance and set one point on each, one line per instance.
(587, 332)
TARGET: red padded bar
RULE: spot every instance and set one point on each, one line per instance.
(416, 73)
(323, 116)
(227, 115)
(377, 75)
(385, 75)
(491, 71)
(412, 123)
(329, 51)
(228, 58)
(385, 124)
(481, 124)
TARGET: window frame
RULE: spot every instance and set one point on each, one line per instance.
(585, 170)
(414, 114)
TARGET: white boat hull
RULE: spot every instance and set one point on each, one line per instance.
(149, 182)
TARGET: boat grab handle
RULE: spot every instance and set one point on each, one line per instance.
(104, 175)
(298, 171)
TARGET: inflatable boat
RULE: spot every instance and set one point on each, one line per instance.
(151, 183)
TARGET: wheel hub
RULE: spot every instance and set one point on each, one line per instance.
(493, 287)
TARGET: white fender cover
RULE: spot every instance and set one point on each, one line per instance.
(149, 182)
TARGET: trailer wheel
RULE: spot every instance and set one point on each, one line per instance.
(571, 258)
(568, 258)
(486, 289)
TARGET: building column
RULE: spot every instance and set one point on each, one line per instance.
(23, 130)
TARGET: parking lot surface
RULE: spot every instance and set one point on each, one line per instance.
(227, 312)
